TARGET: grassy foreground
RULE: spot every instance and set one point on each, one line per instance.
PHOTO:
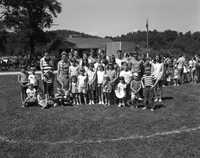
(27, 126)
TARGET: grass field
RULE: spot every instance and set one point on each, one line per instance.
(98, 131)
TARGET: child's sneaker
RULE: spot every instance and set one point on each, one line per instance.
(152, 109)
(144, 108)
(119, 105)
(156, 100)
(160, 100)
(92, 102)
(140, 99)
(55, 105)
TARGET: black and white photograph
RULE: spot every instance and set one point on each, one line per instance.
(99, 79)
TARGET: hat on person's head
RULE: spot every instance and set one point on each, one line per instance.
(135, 74)
(64, 53)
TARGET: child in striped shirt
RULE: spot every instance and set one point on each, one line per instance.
(148, 85)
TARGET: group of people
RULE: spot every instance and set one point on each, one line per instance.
(125, 80)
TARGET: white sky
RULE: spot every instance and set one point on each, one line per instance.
(115, 17)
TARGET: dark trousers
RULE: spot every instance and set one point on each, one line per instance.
(148, 97)
(48, 89)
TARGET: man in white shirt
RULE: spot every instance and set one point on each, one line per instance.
(126, 73)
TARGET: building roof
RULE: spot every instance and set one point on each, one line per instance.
(88, 43)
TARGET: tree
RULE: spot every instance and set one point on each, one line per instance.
(29, 17)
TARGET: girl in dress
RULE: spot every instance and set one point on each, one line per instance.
(82, 85)
(107, 89)
(121, 92)
(74, 90)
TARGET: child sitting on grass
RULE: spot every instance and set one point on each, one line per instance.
(31, 96)
(135, 87)
(42, 102)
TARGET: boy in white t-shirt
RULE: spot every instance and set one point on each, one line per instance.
(126, 74)
(32, 78)
(91, 83)
(73, 69)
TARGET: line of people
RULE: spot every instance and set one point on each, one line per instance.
(128, 79)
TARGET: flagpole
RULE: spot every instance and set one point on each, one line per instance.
(147, 27)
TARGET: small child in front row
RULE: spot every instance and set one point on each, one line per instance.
(135, 87)
(31, 96)
(74, 90)
(42, 102)
(107, 89)
(121, 92)
(148, 85)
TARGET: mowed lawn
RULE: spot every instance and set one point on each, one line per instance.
(75, 132)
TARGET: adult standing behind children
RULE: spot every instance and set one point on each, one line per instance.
(63, 72)
(45, 66)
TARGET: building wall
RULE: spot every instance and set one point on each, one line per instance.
(113, 47)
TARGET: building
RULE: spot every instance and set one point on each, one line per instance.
(125, 46)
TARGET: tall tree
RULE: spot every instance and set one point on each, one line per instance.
(29, 17)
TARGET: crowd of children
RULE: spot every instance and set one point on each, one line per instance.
(125, 80)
